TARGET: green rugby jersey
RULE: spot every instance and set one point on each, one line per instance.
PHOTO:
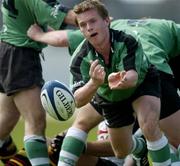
(126, 54)
(160, 39)
(18, 15)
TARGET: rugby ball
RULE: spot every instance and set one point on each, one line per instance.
(57, 100)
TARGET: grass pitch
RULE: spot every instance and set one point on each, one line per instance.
(53, 128)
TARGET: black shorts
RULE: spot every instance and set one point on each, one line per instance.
(20, 68)
(170, 100)
(175, 66)
(104, 162)
(119, 114)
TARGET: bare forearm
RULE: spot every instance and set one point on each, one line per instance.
(54, 38)
(99, 148)
(84, 94)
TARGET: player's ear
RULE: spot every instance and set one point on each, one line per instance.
(111, 18)
(108, 21)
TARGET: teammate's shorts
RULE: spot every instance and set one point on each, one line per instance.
(119, 114)
(170, 100)
(20, 68)
(175, 66)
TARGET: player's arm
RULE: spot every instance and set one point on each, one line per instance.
(84, 94)
(54, 38)
(100, 148)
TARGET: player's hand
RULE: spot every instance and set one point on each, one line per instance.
(122, 79)
(97, 73)
(55, 147)
(34, 31)
(117, 80)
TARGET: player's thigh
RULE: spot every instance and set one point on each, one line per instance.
(9, 115)
(121, 140)
(87, 118)
(29, 104)
(7, 105)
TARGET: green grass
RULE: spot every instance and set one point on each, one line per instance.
(53, 127)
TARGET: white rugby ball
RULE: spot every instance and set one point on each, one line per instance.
(57, 100)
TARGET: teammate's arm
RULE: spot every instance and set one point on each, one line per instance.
(54, 38)
(99, 148)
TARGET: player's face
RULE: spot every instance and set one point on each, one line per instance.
(93, 26)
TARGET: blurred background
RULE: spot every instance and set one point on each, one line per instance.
(56, 64)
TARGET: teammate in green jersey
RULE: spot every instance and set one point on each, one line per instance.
(161, 43)
(21, 72)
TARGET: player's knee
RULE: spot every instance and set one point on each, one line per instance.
(83, 124)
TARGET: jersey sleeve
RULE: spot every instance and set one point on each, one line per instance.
(45, 14)
(176, 33)
(79, 67)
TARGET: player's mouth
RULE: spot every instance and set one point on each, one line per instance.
(93, 34)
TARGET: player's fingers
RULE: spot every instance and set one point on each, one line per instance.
(122, 74)
(100, 69)
(114, 77)
(93, 66)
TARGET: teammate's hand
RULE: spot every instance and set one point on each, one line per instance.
(34, 31)
(55, 147)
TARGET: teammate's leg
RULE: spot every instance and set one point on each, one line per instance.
(29, 104)
(9, 116)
